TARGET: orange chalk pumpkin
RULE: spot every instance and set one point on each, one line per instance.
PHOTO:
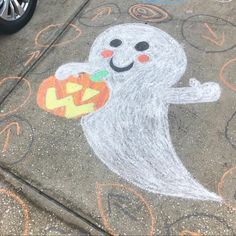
(73, 97)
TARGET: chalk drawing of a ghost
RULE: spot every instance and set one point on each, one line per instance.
(130, 134)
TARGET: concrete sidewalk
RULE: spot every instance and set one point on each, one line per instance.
(21, 217)
(54, 163)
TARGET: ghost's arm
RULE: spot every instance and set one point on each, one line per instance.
(195, 93)
(74, 69)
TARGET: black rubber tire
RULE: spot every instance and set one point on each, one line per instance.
(10, 27)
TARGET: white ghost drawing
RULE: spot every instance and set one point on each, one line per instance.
(130, 134)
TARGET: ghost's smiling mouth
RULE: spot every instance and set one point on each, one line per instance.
(120, 69)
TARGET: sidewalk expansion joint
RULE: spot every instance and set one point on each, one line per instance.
(11, 177)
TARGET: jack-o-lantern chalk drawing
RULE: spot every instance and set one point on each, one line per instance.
(130, 205)
(23, 94)
(199, 224)
(223, 70)
(16, 139)
(101, 16)
(227, 188)
(24, 210)
(40, 37)
(149, 13)
(130, 134)
(73, 97)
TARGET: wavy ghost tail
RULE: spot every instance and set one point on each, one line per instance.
(136, 145)
(130, 134)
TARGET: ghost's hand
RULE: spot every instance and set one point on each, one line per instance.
(195, 93)
(206, 92)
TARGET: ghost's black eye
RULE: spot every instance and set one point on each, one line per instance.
(115, 43)
(142, 46)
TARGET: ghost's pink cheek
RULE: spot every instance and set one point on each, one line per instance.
(143, 58)
(107, 53)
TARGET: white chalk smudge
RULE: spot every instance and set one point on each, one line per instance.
(130, 134)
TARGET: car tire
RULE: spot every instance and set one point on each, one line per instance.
(10, 27)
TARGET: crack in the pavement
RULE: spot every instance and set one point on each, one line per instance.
(58, 36)
(49, 198)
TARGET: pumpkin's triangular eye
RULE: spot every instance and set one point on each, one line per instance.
(73, 97)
